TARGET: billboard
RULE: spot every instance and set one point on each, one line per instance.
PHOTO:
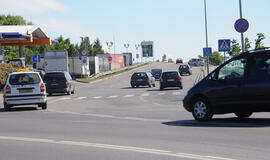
(147, 49)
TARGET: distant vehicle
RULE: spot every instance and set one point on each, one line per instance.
(59, 82)
(170, 60)
(142, 79)
(240, 85)
(24, 88)
(179, 60)
(56, 61)
(170, 79)
(156, 73)
(185, 69)
(196, 62)
(19, 63)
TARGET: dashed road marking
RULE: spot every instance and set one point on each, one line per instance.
(80, 98)
(115, 96)
(146, 94)
(176, 93)
(97, 97)
(161, 94)
(64, 98)
(129, 95)
(115, 147)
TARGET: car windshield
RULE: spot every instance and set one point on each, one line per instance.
(52, 77)
(139, 75)
(170, 75)
(24, 78)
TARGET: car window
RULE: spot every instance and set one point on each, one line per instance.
(139, 75)
(23, 79)
(49, 77)
(170, 75)
(260, 66)
(232, 70)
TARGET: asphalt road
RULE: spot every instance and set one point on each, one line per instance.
(110, 120)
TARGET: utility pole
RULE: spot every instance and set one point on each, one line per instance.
(206, 35)
(242, 34)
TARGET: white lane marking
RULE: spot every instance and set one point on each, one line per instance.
(64, 98)
(129, 95)
(176, 93)
(161, 94)
(110, 116)
(115, 147)
(114, 96)
(146, 94)
(80, 98)
(97, 97)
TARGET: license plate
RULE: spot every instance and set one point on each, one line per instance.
(139, 80)
(170, 80)
(26, 90)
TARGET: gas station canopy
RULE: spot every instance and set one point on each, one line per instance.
(23, 35)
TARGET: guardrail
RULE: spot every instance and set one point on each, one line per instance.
(200, 75)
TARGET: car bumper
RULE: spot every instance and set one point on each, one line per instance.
(171, 84)
(187, 103)
(57, 90)
(13, 100)
(140, 83)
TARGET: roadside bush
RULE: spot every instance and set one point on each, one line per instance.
(5, 69)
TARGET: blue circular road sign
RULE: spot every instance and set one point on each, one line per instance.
(241, 25)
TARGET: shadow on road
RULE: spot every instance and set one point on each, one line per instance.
(135, 87)
(57, 95)
(223, 122)
(19, 109)
(166, 89)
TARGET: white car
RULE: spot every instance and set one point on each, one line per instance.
(24, 88)
(196, 62)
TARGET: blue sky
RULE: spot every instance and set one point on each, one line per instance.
(175, 26)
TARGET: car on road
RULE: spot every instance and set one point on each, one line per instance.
(196, 62)
(179, 60)
(240, 86)
(142, 79)
(170, 79)
(185, 69)
(170, 60)
(24, 88)
(59, 82)
(156, 73)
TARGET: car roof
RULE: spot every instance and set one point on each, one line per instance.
(170, 71)
(13, 73)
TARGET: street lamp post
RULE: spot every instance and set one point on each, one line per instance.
(137, 48)
(126, 46)
(109, 45)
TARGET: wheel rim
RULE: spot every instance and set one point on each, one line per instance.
(200, 109)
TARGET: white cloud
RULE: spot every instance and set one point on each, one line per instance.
(31, 6)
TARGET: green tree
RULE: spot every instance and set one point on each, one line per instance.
(258, 41)
(216, 58)
(73, 50)
(247, 44)
(164, 58)
(97, 48)
(86, 45)
(236, 48)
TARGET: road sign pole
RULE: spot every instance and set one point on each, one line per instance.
(206, 34)
(224, 56)
(242, 34)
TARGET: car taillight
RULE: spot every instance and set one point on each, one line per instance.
(180, 78)
(8, 90)
(147, 79)
(189, 69)
(42, 88)
(161, 79)
(67, 84)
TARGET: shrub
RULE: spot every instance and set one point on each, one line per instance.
(5, 69)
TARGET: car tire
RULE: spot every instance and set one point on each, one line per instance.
(44, 106)
(201, 110)
(243, 115)
(73, 92)
(6, 107)
(181, 87)
(149, 85)
(154, 85)
(161, 88)
(69, 92)
(132, 86)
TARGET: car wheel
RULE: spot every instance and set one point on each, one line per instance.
(44, 106)
(132, 86)
(149, 85)
(243, 115)
(69, 92)
(73, 92)
(201, 110)
(6, 107)
(181, 87)
(161, 88)
(154, 85)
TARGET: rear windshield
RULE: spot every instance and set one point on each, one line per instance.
(49, 77)
(170, 75)
(183, 66)
(24, 78)
(139, 75)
